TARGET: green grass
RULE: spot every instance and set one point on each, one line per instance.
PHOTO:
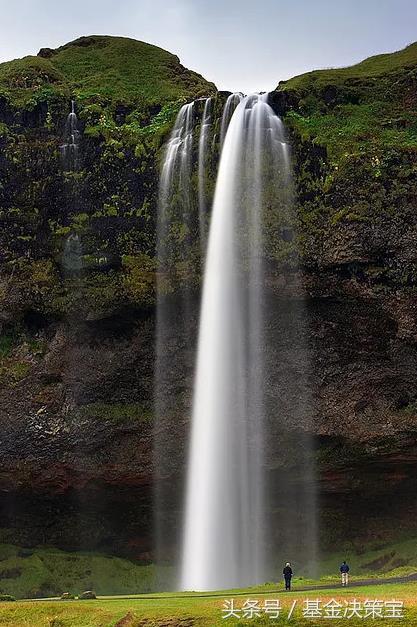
(49, 572)
(372, 67)
(367, 108)
(192, 611)
(390, 560)
(29, 573)
(364, 127)
(115, 68)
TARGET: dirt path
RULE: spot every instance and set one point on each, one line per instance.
(226, 594)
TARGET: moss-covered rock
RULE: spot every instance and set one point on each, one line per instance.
(77, 293)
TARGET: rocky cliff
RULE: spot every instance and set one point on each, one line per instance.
(77, 350)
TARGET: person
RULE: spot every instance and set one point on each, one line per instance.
(344, 570)
(287, 572)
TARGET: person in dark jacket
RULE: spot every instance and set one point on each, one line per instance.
(344, 570)
(287, 572)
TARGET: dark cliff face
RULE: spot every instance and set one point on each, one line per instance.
(77, 349)
(355, 142)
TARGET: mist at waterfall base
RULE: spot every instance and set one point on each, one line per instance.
(238, 497)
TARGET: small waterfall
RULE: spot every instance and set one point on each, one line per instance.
(72, 257)
(175, 191)
(231, 104)
(70, 149)
(203, 147)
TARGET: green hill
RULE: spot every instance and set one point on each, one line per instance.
(376, 66)
(368, 106)
(112, 67)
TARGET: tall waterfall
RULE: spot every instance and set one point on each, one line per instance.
(250, 405)
(224, 520)
(70, 149)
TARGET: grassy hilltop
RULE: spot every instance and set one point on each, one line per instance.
(113, 67)
(367, 106)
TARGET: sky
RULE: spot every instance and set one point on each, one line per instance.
(240, 45)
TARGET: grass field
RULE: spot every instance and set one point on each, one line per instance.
(48, 572)
(189, 610)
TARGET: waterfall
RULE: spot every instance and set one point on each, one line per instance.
(70, 150)
(250, 405)
(231, 104)
(174, 342)
(175, 190)
(203, 147)
(72, 257)
(223, 520)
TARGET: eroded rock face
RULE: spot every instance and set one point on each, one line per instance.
(77, 430)
(77, 352)
(76, 440)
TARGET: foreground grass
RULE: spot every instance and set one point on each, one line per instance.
(48, 572)
(187, 611)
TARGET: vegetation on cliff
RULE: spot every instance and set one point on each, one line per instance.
(126, 94)
(368, 106)
(101, 66)
(78, 346)
(355, 139)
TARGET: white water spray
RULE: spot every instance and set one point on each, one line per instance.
(70, 151)
(203, 146)
(250, 395)
(225, 517)
(231, 104)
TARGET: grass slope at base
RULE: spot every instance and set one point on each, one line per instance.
(43, 572)
(201, 612)
(47, 572)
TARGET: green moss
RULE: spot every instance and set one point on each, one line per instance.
(117, 412)
(11, 371)
(6, 344)
(139, 279)
(50, 572)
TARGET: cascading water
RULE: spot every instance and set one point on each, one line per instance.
(70, 148)
(249, 404)
(174, 345)
(203, 146)
(231, 104)
(224, 520)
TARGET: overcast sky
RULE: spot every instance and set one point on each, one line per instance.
(240, 45)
